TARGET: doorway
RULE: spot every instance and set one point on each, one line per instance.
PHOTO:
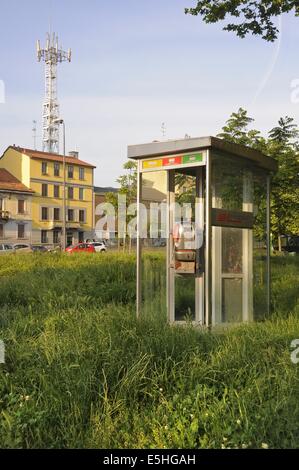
(69, 238)
(185, 246)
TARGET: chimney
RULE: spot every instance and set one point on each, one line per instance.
(74, 154)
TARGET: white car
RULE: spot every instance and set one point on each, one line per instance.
(6, 249)
(22, 248)
(100, 247)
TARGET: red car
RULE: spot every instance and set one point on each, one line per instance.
(81, 248)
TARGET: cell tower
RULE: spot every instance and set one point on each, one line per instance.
(51, 55)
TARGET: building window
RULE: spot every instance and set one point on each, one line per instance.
(81, 194)
(45, 213)
(1, 231)
(70, 172)
(56, 169)
(1, 204)
(56, 237)
(44, 168)
(81, 216)
(21, 206)
(81, 173)
(44, 190)
(70, 215)
(44, 236)
(56, 191)
(56, 213)
(21, 231)
(70, 193)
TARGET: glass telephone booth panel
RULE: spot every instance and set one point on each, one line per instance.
(239, 240)
(153, 243)
(232, 240)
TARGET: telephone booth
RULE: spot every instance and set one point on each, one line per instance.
(203, 231)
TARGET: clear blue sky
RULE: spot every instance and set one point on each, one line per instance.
(136, 64)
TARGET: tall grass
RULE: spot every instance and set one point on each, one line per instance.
(81, 371)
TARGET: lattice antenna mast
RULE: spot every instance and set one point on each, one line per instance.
(51, 55)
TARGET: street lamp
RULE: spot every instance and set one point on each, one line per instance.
(63, 234)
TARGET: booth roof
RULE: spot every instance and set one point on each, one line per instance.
(172, 147)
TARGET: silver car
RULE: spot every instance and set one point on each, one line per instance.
(100, 247)
(6, 249)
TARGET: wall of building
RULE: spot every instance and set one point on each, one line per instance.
(51, 202)
(17, 164)
(10, 226)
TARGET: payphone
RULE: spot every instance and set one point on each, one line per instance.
(216, 223)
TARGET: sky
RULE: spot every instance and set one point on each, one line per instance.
(136, 64)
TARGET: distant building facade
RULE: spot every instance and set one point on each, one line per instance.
(43, 173)
(103, 233)
(15, 210)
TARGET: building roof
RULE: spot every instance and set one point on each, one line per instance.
(172, 147)
(38, 155)
(99, 190)
(8, 182)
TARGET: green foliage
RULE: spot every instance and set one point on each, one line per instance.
(128, 182)
(249, 17)
(285, 131)
(81, 371)
(283, 146)
(236, 131)
(128, 188)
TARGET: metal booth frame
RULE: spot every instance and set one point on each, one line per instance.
(171, 154)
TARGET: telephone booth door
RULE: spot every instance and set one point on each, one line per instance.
(185, 256)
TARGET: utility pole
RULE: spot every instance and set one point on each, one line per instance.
(163, 130)
(63, 232)
(34, 134)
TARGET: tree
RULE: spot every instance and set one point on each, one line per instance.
(249, 16)
(285, 185)
(128, 187)
(236, 131)
(285, 131)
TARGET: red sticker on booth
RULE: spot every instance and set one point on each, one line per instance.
(172, 161)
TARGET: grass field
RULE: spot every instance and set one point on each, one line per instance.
(82, 372)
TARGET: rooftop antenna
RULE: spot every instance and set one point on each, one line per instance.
(163, 130)
(34, 133)
(52, 55)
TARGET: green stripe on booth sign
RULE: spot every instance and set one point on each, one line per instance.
(196, 157)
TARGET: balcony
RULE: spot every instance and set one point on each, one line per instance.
(4, 215)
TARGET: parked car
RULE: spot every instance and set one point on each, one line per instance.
(81, 248)
(23, 248)
(39, 249)
(100, 247)
(159, 242)
(6, 249)
(291, 244)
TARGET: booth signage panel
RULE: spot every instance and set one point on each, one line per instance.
(174, 161)
(152, 164)
(198, 157)
(225, 218)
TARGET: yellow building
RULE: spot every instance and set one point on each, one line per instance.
(43, 173)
